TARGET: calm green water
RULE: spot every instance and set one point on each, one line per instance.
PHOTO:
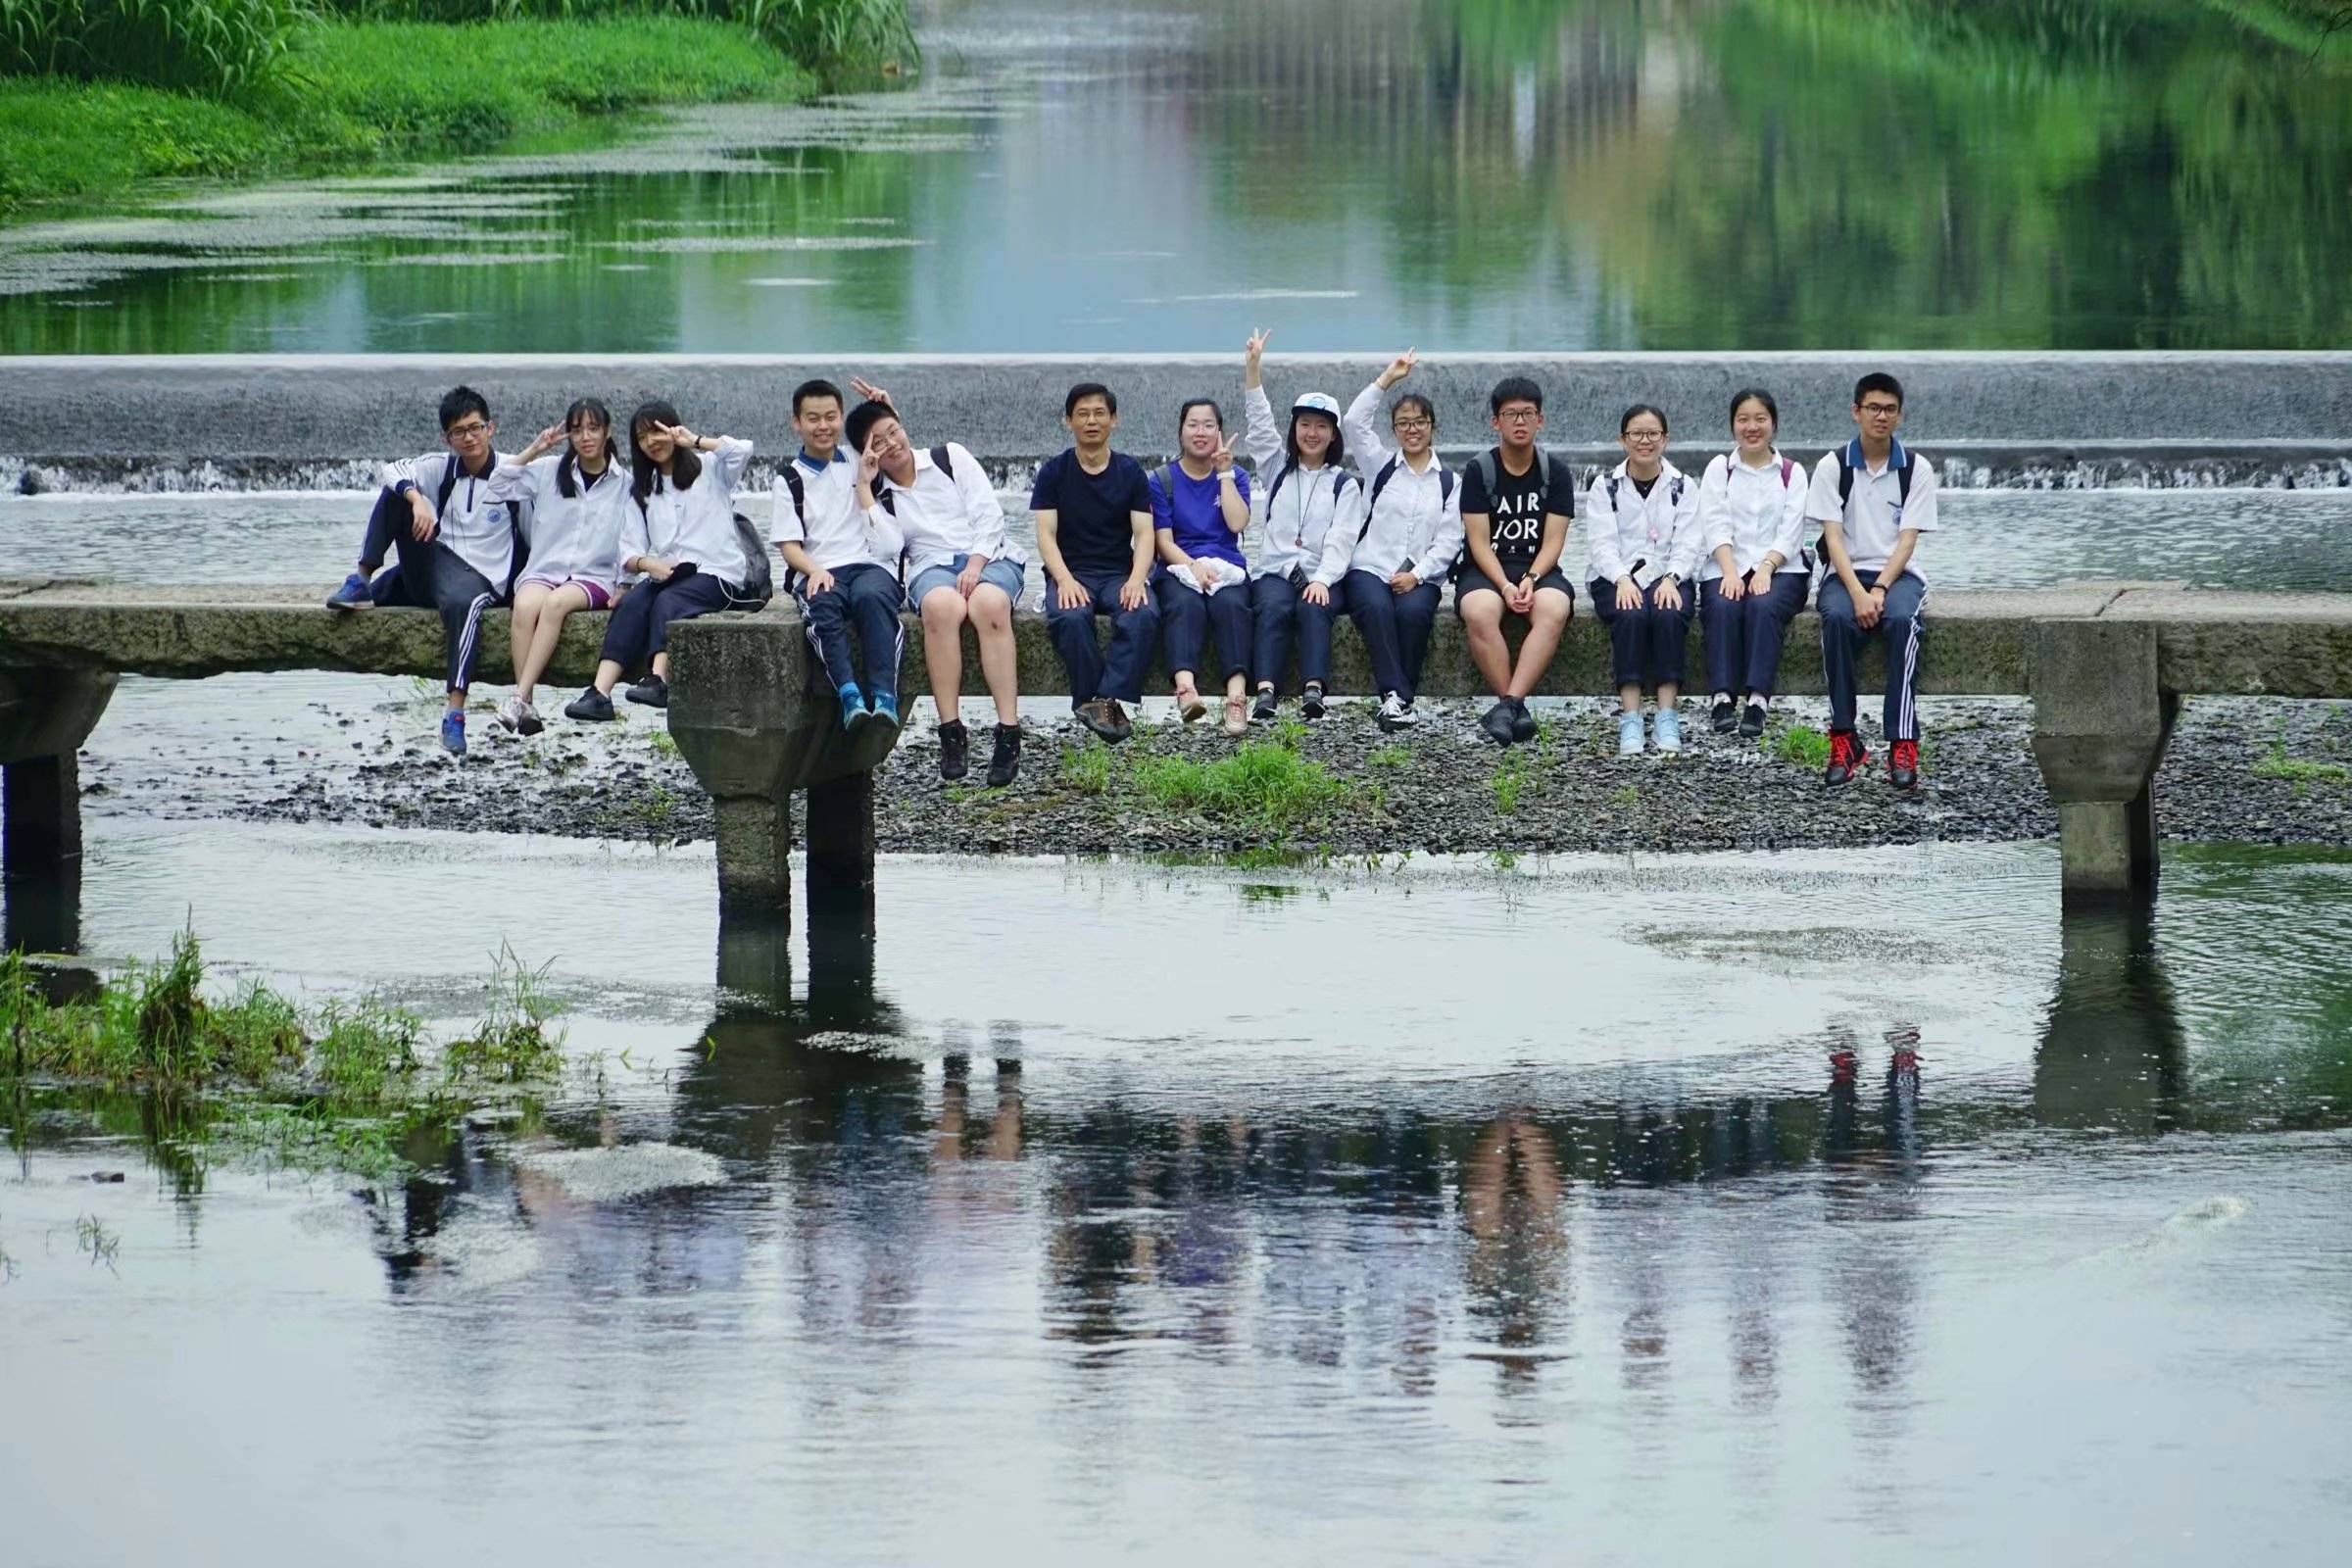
(1440, 1215)
(1491, 174)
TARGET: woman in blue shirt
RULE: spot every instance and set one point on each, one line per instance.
(1199, 506)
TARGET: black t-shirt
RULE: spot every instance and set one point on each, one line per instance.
(1091, 511)
(1515, 512)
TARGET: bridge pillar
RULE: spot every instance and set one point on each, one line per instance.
(2100, 724)
(45, 714)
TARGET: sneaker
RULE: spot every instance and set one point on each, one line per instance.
(510, 713)
(1394, 715)
(1628, 734)
(1846, 756)
(954, 746)
(1500, 721)
(1264, 712)
(1237, 718)
(1122, 725)
(453, 732)
(853, 706)
(591, 705)
(528, 721)
(885, 714)
(653, 692)
(1902, 765)
(1725, 715)
(1523, 722)
(1310, 705)
(1097, 716)
(1189, 705)
(1005, 762)
(1751, 722)
(1669, 730)
(352, 595)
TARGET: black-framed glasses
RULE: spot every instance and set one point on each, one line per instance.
(1413, 424)
(472, 430)
(1644, 436)
(1880, 411)
(1519, 416)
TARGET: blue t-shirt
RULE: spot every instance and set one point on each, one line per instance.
(1092, 512)
(1192, 514)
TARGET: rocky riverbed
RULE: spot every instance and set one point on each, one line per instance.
(2238, 770)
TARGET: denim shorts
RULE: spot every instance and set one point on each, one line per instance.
(1006, 574)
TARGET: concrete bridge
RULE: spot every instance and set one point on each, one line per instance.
(2106, 664)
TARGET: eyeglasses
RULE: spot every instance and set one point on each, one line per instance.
(1644, 436)
(1413, 424)
(1519, 416)
(472, 430)
(1882, 411)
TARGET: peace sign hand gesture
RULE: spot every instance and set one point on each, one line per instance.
(871, 393)
(1398, 369)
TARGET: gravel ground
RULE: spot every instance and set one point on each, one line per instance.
(1443, 788)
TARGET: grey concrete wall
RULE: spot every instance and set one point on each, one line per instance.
(279, 409)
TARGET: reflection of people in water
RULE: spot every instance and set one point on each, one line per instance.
(1511, 1202)
(1866, 1188)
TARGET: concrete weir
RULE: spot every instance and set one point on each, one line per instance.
(2106, 664)
(269, 413)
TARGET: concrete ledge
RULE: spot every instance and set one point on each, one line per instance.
(2280, 645)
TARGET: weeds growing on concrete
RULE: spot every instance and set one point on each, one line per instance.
(1803, 745)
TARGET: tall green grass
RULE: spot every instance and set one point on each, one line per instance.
(221, 48)
(827, 34)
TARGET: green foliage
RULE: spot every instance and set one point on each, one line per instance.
(1086, 768)
(514, 1044)
(1803, 745)
(1387, 756)
(1509, 779)
(2299, 771)
(1265, 784)
(828, 34)
(221, 48)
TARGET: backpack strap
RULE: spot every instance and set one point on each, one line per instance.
(1445, 483)
(449, 485)
(1788, 472)
(799, 491)
(1489, 475)
(1380, 482)
(1275, 489)
(1902, 478)
(1611, 483)
(942, 461)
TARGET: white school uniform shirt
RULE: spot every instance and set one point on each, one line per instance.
(1873, 514)
(574, 536)
(1288, 531)
(696, 523)
(943, 518)
(1753, 511)
(1416, 525)
(478, 524)
(1645, 537)
(829, 524)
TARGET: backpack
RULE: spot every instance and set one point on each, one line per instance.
(1490, 472)
(1674, 492)
(1388, 471)
(1845, 489)
(1340, 479)
(889, 499)
(791, 472)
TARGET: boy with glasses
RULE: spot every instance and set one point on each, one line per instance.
(1873, 498)
(1516, 506)
(455, 537)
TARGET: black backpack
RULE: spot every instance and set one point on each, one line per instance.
(889, 499)
(1845, 490)
(1490, 472)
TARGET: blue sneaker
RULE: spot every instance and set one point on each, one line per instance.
(453, 732)
(885, 712)
(1669, 730)
(352, 595)
(1628, 734)
(853, 706)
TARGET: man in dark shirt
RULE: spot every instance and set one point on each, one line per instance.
(1093, 507)
(1517, 500)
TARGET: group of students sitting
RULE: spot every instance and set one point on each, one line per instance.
(862, 510)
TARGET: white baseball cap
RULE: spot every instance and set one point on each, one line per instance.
(1322, 402)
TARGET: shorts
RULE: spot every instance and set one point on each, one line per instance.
(600, 594)
(1006, 573)
(1473, 580)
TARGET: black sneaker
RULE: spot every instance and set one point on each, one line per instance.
(954, 746)
(1264, 712)
(591, 705)
(1726, 716)
(1310, 705)
(1500, 721)
(653, 692)
(1523, 722)
(1752, 723)
(1005, 762)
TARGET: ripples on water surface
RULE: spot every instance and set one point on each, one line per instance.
(1437, 1212)
(1493, 173)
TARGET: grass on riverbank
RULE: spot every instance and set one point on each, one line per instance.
(1263, 787)
(364, 93)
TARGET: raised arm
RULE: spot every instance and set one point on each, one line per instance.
(1365, 441)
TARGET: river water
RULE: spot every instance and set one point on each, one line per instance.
(1498, 174)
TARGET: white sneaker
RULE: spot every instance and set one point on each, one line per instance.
(1394, 714)
(510, 713)
(1629, 735)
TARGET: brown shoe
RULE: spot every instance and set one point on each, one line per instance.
(1189, 704)
(1122, 725)
(1237, 716)
(1097, 715)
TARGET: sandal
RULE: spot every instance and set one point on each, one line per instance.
(1236, 715)
(1190, 705)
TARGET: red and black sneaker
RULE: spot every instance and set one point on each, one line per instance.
(1844, 1064)
(1902, 765)
(1846, 756)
